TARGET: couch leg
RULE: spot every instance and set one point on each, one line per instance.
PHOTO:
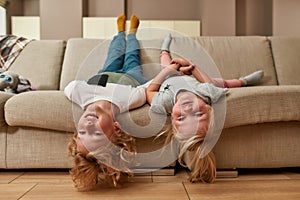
(227, 173)
(166, 171)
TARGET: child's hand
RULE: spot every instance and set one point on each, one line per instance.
(174, 68)
(186, 66)
(187, 70)
(181, 61)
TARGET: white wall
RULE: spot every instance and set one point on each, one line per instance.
(2, 21)
(24, 26)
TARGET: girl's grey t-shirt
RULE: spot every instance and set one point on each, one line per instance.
(164, 100)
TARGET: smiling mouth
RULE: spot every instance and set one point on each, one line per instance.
(91, 115)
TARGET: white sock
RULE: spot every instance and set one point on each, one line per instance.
(252, 78)
(166, 43)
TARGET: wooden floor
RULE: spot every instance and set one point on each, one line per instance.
(250, 184)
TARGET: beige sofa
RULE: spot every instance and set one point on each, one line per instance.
(262, 125)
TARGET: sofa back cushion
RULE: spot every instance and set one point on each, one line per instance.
(77, 50)
(233, 56)
(40, 62)
(286, 52)
(238, 56)
(84, 57)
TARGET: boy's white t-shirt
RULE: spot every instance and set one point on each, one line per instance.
(125, 97)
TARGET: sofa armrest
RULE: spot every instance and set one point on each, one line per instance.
(40, 109)
(4, 96)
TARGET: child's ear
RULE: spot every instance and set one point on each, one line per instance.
(208, 107)
(118, 130)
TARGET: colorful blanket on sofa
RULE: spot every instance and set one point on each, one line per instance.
(10, 47)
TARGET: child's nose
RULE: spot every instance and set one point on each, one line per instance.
(89, 123)
(90, 126)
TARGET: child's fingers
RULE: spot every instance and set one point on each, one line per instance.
(187, 70)
(180, 61)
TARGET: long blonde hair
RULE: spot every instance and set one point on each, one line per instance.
(203, 167)
(96, 167)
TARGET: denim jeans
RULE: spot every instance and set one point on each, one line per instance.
(124, 57)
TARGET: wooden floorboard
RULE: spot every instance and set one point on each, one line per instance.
(248, 185)
(246, 190)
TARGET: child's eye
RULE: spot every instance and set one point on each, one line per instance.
(181, 118)
(97, 133)
(81, 132)
(198, 114)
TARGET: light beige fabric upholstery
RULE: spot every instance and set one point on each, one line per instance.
(40, 109)
(262, 122)
(3, 147)
(260, 104)
(37, 148)
(40, 62)
(84, 57)
(264, 145)
(286, 52)
(3, 127)
(4, 96)
(76, 52)
(142, 123)
(239, 56)
(254, 104)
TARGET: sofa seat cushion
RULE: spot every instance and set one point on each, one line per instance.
(244, 106)
(41, 109)
(260, 104)
(52, 110)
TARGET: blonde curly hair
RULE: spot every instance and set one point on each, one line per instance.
(99, 166)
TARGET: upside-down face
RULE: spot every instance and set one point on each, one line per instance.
(191, 115)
